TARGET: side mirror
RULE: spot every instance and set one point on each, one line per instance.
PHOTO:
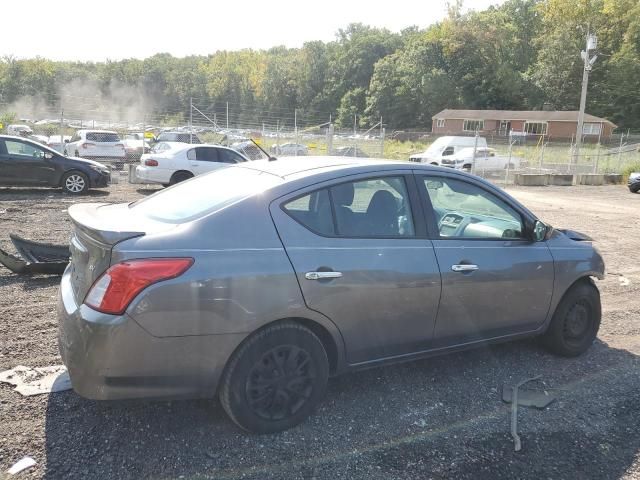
(434, 184)
(539, 231)
(48, 155)
(66, 140)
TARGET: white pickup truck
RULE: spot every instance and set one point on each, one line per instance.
(485, 159)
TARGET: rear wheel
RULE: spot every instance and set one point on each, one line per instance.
(180, 177)
(276, 379)
(634, 188)
(576, 321)
(466, 168)
(75, 183)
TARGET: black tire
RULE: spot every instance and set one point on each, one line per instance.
(261, 368)
(466, 168)
(576, 321)
(77, 154)
(634, 189)
(75, 183)
(180, 177)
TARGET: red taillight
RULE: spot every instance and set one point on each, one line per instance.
(150, 162)
(87, 145)
(117, 287)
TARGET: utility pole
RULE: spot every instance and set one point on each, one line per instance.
(592, 44)
(190, 119)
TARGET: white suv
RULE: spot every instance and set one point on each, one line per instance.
(97, 144)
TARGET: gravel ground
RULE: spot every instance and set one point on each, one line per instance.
(436, 418)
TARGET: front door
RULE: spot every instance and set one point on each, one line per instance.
(360, 252)
(495, 282)
(22, 163)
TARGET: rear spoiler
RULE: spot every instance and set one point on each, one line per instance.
(102, 228)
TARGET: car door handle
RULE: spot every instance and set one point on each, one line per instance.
(322, 275)
(464, 268)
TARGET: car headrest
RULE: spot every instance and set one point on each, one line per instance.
(343, 194)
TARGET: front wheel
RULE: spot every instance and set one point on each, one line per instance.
(576, 321)
(276, 379)
(75, 183)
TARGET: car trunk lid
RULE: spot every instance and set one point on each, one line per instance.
(98, 228)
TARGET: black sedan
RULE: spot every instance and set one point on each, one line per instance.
(27, 163)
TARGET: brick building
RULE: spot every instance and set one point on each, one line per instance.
(553, 124)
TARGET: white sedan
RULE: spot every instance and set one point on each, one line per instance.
(178, 163)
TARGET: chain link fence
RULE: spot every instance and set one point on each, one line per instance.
(293, 133)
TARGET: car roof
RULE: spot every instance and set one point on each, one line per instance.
(305, 166)
(91, 130)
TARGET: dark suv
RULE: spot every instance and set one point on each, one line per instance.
(24, 162)
(182, 137)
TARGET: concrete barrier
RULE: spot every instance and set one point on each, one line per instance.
(590, 179)
(531, 179)
(562, 180)
(613, 178)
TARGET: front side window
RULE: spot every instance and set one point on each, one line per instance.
(228, 156)
(464, 210)
(23, 149)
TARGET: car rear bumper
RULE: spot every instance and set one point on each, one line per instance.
(111, 357)
(153, 174)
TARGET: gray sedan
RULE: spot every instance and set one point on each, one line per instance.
(257, 282)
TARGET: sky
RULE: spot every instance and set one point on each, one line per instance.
(85, 30)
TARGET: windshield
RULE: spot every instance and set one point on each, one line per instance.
(204, 194)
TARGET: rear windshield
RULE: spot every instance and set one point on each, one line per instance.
(204, 194)
(102, 137)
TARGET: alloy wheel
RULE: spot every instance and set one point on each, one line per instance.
(74, 183)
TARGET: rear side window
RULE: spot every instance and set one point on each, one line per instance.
(313, 211)
(204, 194)
(102, 137)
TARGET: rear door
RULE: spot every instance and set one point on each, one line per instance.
(495, 282)
(23, 163)
(361, 256)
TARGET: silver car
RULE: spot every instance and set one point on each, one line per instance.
(257, 282)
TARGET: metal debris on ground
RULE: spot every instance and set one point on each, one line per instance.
(526, 398)
(23, 464)
(35, 381)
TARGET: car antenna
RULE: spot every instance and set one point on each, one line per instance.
(270, 157)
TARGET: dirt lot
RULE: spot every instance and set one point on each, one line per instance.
(437, 418)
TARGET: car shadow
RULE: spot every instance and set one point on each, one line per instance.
(18, 192)
(401, 421)
(148, 190)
